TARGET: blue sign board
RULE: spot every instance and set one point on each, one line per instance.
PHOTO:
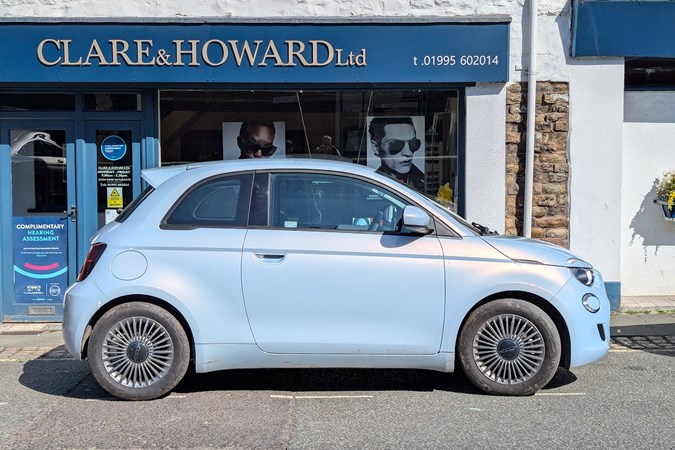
(623, 28)
(113, 148)
(40, 259)
(256, 53)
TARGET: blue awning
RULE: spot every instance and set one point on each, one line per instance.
(623, 28)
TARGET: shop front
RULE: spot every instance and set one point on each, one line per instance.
(84, 107)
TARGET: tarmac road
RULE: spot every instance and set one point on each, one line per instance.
(50, 400)
(624, 401)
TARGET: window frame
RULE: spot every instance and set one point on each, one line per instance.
(369, 181)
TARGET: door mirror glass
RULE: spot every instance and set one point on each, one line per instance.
(416, 220)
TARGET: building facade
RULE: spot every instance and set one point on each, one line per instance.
(91, 93)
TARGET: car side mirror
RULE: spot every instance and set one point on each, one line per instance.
(416, 220)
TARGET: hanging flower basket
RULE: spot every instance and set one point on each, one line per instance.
(666, 195)
(668, 211)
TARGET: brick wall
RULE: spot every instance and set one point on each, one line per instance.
(550, 203)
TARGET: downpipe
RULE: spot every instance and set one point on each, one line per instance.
(531, 116)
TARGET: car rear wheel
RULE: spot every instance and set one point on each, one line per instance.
(509, 347)
(138, 351)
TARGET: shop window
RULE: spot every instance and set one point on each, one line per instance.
(112, 102)
(646, 72)
(37, 102)
(408, 134)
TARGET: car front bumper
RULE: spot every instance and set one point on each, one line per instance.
(589, 332)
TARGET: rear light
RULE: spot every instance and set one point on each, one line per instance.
(93, 256)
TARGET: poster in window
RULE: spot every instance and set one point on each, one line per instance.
(253, 139)
(395, 146)
(40, 259)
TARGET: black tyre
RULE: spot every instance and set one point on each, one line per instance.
(138, 351)
(509, 347)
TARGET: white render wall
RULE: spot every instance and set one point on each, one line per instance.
(486, 155)
(648, 241)
(595, 146)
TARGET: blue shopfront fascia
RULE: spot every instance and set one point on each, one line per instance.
(623, 28)
(256, 53)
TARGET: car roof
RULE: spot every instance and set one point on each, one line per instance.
(159, 175)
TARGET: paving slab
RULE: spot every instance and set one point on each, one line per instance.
(642, 325)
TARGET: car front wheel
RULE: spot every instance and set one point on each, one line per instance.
(138, 351)
(509, 347)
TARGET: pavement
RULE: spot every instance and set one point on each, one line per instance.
(642, 323)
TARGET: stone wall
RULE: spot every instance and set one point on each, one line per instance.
(550, 204)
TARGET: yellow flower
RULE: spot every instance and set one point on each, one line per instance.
(444, 195)
(671, 200)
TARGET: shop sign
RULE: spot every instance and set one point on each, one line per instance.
(40, 259)
(257, 53)
(115, 197)
(113, 148)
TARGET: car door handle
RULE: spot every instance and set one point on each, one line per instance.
(269, 258)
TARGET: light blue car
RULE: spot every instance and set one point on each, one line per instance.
(312, 263)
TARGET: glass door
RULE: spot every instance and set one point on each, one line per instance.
(59, 183)
(38, 248)
(114, 170)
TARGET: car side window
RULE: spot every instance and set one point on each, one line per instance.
(219, 202)
(319, 201)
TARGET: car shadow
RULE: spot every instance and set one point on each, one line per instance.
(71, 378)
(342, 380)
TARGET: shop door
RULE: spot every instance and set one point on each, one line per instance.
(39, 217)
(115, 171)
(61, 183)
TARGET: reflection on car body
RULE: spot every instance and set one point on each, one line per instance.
(304, 263)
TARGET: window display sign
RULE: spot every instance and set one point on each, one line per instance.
(40, 259)
(417, 51)
(113, 148)
(395, 148)
(252, 139)
(114, 175)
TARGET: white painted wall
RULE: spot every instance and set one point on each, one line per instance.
(486, 155)
(648, 241)
(595, 146)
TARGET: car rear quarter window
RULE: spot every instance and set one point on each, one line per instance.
(217, 202)
(126, 212)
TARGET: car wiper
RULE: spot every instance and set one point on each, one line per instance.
(484, 231)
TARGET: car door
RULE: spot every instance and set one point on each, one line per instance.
(330, 274)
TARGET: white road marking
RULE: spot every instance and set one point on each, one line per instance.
(309, 397)
(176, 396)
(560, 394)
(3, 403)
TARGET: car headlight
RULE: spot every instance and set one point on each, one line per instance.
(583, 274)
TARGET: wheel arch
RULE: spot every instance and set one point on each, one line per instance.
(542, 304)
(139, 298)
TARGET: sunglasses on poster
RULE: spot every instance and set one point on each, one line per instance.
(395, 146)
(253, 147)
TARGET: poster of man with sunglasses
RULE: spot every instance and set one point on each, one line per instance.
(254, 139)
(395, 149)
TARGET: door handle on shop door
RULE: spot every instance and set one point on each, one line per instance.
(72, 214)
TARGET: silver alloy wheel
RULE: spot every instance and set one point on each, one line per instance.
(137, 352)
(508, 349)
